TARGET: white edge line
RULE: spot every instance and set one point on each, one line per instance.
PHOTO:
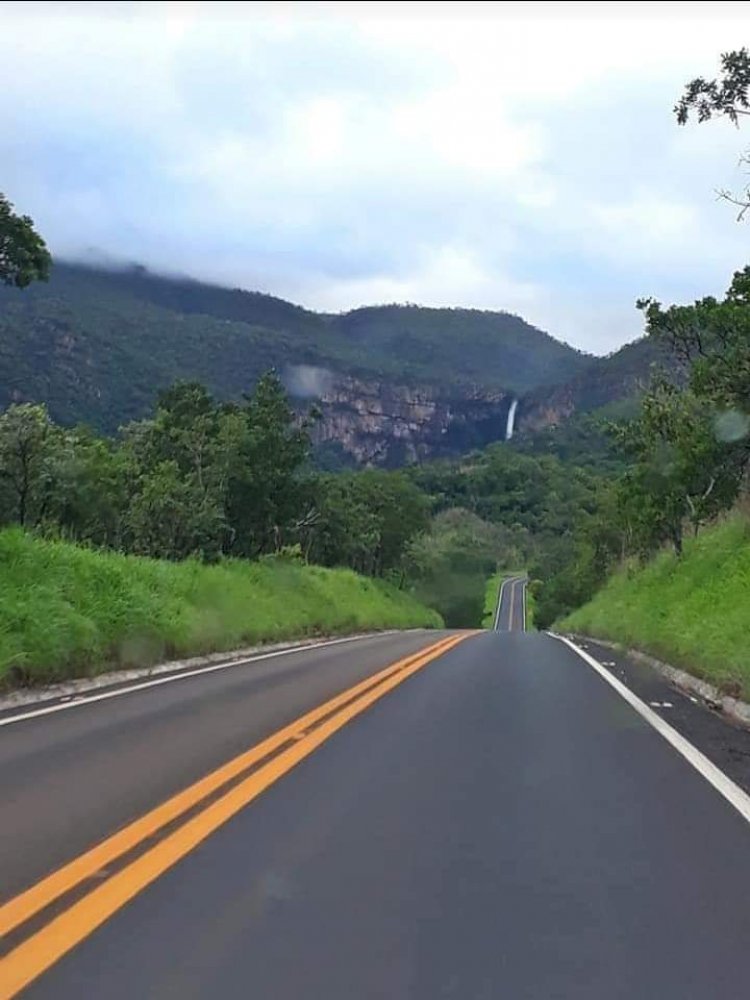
(105, 695)
(523, 585)
(713, 775)
(500, 603)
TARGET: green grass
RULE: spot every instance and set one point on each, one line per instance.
(490, 599)
(692, 612)
(68, 611)
(530, 610)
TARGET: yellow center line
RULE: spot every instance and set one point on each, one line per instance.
(512, 599)
(23, 906)
(31, 958)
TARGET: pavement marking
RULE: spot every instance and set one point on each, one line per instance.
(23, 906)
(713, 775)
(45, 947)
(78, 701)
(513, 581)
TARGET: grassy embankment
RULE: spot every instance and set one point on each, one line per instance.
(68, 611)
(693, 612)
(490, 598)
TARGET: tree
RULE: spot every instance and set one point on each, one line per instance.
(345, 530)
(186, 429)
(726, 97)
(169, 517)
(683, 471)
(713, 339)
(366, 520)
(266, 495)
(179, 464)
(28, 439)
(449, 565)
(90, 495)
(24, 256)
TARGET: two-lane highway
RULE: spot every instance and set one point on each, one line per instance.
(510, 613)
(416, 816)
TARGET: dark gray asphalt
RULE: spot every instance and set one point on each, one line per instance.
(510, 615)
(725, 743)
(68, 780)
(501, 825)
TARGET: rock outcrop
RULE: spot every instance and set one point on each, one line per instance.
(382, 423)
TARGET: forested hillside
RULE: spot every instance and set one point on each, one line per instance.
(98, 346)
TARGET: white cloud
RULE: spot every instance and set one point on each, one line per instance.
(496, 158)
(444, 276)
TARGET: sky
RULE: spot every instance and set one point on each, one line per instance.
(514, 156)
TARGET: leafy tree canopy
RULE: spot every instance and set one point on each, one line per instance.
(713, 338)
(726, 97)
(24, 256)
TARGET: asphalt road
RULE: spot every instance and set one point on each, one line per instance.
(501, 823)
(510, 614)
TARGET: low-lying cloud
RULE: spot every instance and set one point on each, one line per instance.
(512, 162)
(307, 381)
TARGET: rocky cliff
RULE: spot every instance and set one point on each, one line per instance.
(382, 423)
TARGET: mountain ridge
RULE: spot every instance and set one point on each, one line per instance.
(396, 383)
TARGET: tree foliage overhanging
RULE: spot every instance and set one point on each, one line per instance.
(726, 97)
(24, 256)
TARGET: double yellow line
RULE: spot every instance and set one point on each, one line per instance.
(512, 604)
(268, 761)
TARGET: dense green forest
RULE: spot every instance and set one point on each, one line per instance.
(215, 480)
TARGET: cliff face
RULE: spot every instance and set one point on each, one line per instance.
(538, 411)
(382, 423)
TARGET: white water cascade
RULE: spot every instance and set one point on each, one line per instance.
(509, 427)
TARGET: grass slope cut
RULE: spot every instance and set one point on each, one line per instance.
(67, 611)
(692, 612)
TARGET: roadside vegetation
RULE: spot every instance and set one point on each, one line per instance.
(530, 611)
(692, 611)
(68, 611)
(491, 593)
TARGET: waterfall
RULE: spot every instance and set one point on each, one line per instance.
(511, 420)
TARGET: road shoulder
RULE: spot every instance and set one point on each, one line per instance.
(722, 739)
(49, 695)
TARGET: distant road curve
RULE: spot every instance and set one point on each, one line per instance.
(510, 613)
